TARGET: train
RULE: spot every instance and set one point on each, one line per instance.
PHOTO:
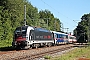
(26, 37)
(72, 39)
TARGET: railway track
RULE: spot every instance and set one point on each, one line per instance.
(49, 52)
(33, 53)
(33, 56)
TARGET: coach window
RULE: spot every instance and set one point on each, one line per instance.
(59, 36)
(66, 36)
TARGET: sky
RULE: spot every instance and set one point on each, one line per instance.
(69, 12)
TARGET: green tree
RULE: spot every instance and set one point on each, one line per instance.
(12, 16)
(49, 19)
(82, 30)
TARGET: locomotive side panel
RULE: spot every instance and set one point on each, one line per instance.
(41, 38)
(40, 35)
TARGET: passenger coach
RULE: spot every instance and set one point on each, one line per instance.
(60, 38)
(72, 39)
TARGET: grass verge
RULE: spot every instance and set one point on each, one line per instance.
(75, 54)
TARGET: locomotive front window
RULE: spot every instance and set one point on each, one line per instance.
(21, 31)
(24, 30)
(17, 30)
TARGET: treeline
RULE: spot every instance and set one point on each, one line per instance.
(12, 16)
(82, 32)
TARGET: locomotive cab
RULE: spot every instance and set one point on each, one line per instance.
(20, 39)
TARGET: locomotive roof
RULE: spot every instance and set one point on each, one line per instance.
(59, 32)
(35, 28)
(22, 26)
(42, 29)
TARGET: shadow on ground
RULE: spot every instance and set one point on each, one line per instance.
(10, 48)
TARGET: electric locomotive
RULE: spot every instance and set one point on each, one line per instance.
(28, 36)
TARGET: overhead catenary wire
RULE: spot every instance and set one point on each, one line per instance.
(58, 12)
